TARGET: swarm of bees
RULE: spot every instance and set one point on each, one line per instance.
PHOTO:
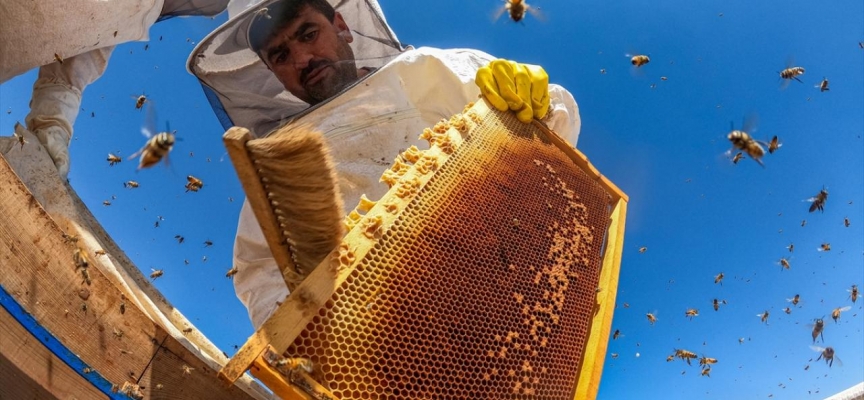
(194, 184)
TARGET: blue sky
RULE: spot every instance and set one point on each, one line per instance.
(696, 212)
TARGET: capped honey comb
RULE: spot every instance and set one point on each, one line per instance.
(483, 284)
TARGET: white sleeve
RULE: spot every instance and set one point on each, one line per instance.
(563, 116)
(258, 283)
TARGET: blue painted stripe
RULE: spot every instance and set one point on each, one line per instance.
(46, 338)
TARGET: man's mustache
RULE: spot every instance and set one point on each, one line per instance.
(314, 64)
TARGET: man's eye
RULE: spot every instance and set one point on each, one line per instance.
(281, 57)
(309, 36)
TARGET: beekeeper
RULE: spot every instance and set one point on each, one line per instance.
(72, 41)
(344, 72)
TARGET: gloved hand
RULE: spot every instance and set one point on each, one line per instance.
(55, 140)
(523, 88)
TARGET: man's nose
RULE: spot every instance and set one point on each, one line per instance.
(301, 56)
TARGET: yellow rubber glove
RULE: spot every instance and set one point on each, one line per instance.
(523, 88)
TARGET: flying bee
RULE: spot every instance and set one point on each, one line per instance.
(19, 138)
(791, 247)
(792, 73)
(824, 247)
(685, 355)
(691, 312)
(670, 358)
(827, 354)
(651, 318)
(706, 372)
(819, 200)
(738, 156)
(643, 249)
(744, 142)
(517, 9)
(156, 273)
(233, 271)
(638, 60)
(614, 355)
(784, 263)
(194, 184)
(823, 86)
(106, 203)
(835, 314)
(187, 370)
(818, 327)
(179, 238)
(794, 300)
(853, 293)
(846, 222)
(130, 184)
(716, 305)
(763, 317)
(157, 146)
(208, 243)
(707, 361)
(740, 340)
(787, 310)
(139, 101)
(719, 279)
(803, 222)
(616, 334)
(774, 144)
(112, 159)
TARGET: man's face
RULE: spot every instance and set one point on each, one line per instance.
(310, 57)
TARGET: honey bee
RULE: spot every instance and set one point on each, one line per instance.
(744, 142)
(651, 318)
(818, 327)
(719, 279)
(784, 263)
(803, 222)
(819, 200)
(738, 156)
(670, 358)
(18, 137)
(643, 249)
(139, 101)
(112, 159)
(707, 361)
(835, 314)
(156, 148)
(187, 370)
(130, 184)
(233, 271)
(58, 58)
(85, 275)
(823, 86)
(639, 60)
(716, 305)
(846, 222)
(106, 203)
(706, 372)
(825, 247)
(827, 354)
(774, 144)
(517, 9)
(740, 340)
(156, 273)
(691, 312)
(194, 184)
(207, 243)
(853, 293)
(188, 331)
(602, 71)
(179, 238)
(80, 258)
(787, 310)
(626, 305)
(794, 300)
(685, 355)
(792, 73)
(614, 355)
(791, 247)
(99, 252)
(763, 316)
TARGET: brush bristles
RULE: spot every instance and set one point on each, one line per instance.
(299, 178)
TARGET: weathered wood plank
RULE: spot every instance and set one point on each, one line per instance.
(29, 370)
(39, 272)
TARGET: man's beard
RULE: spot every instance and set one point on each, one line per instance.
(344, 74)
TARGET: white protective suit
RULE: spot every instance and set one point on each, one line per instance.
(83, 34)
(375, 120)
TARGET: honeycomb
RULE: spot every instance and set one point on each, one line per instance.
(483, 286)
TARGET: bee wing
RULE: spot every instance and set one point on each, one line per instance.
(844, 309)
(149, 127)
(750, 123)
(817, 348)
(837, 360)
(498, 12)
(535, 11)
(137, 153)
